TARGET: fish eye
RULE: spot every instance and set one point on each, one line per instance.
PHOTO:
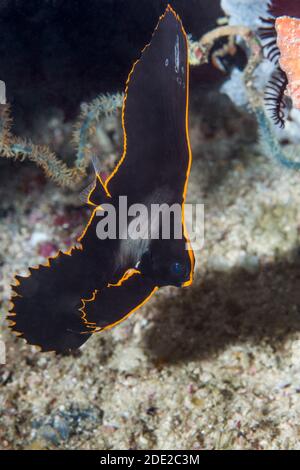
(178, 269)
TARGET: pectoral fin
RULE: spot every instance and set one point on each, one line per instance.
(115, 303)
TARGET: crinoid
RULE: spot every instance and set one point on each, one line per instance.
(280, 39)
(275, 98)
(53, 166)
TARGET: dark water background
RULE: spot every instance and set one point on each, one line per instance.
(58, 53)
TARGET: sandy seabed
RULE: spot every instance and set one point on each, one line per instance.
(213, 366)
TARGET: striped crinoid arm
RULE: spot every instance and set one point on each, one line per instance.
(53, 166)
(267, 34)
(275, 98)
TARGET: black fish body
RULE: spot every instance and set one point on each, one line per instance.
(98, 285)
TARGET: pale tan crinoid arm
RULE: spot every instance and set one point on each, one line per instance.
(53, 166)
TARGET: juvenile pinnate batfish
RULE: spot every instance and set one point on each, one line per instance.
(94, 287)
